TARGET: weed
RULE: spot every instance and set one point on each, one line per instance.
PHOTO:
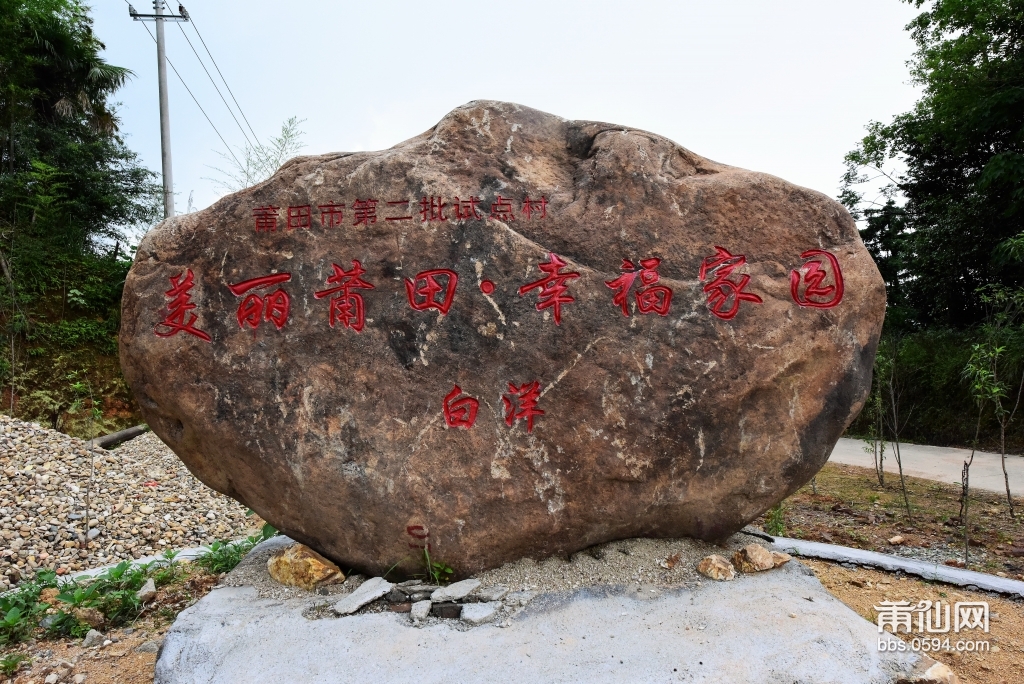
(223, 556)
(11, 662)
(437, 571)
(775, 521)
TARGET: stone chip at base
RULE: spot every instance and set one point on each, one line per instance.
(300, 566)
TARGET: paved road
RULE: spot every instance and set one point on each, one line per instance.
(938, 463)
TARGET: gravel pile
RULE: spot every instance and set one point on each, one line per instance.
(140, 500)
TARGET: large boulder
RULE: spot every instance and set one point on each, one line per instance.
(513, 335)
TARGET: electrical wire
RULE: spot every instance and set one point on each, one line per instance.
(240, 110)
(231, 111)
(195, 100)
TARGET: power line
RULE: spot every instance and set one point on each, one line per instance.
(197, 103)
(230, 111)
(240, 110)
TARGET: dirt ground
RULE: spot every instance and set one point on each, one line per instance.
(852, 509)
(118, 662)
(862, 589)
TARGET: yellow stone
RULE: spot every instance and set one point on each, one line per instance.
(717, 568)
(753, 558)
(301, 566)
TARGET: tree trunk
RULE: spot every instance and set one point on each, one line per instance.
(1006, 478)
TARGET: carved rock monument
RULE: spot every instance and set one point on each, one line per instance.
(513, 335)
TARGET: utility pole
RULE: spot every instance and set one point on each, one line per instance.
(161, 69)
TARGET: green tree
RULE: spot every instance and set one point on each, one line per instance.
(957, 190)
(69, 188)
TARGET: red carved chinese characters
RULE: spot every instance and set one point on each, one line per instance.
(254, 309)
(812, 274)
(346, 306)
(179, 310)
(466, 209)
(531, 207)
(553, 287)
(650, 298)
(331, 214)
(365, 212)
(725, 295)
(299, 217)
(521, 404)
(432, 209)
(421, 535)
(501, 209)
(423, 292)
(399, 203)
(265, 218)
(460, 412)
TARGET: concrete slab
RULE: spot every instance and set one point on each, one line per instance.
(777, 626)
(938, 463)
(883, 561)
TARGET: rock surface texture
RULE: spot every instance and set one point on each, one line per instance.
(513, 335)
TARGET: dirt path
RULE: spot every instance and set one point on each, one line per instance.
(863, 589)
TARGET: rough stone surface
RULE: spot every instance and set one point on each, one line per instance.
(301, 566)
(753, 558)
(420, 611)
(593, 634)
(486, 594)
(92, 638)
(370, 590)
(147, 592)
(658, 426)
(479, 613)
(148, 647)
(90, 616)
(779, 558)
(717, 568)
(456, 591)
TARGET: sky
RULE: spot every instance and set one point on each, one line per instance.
(783, 87)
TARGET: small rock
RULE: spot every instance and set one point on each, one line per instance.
(93, 638)
(717, 568)
(479, 613)
(370, 590)
(456, 591)
(49, 621)
(486, 594)
(396, 595)
(106, 642)
(145, 510)
(49, 595)
(520, 598)
(300, 566)
(90, 616)
(79, 679)
(450, 611)
(596, 552)
(417, 587)
(51, 679)
(419, 611)
(753, 558)
(896, 541)
(93, 533)
(400, 607)
(859, 583)
(147, 592)
(148, 647)
(779, 558)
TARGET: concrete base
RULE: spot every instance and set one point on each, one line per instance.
(777, 626)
